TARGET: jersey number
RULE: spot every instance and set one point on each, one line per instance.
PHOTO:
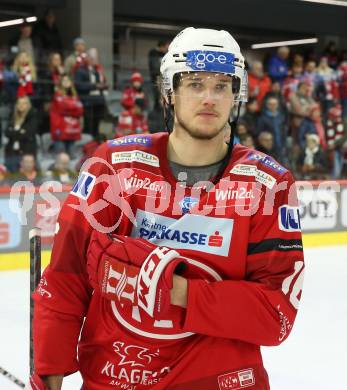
(297, 286)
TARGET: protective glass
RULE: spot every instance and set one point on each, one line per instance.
(204, 85)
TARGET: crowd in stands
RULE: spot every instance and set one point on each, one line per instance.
(296, 112)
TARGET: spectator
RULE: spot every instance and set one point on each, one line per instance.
(301, 105)
(49, 80)
(25, 70)
(91, 86)
(65, 114)
(306, 127)
(271, 120)
(51, 75)
(134, 91)
(48, 35)
(89, 148)
(9, 84)
(276, 91)
(248, 141)
(60, 170)
(336, 139)
(259, 83)
(311, 76)
(301, 102)
(312, 161)
(241, 132)
(132, 121)
(331, 54)
(21, 134)
(331, 95)
(266, 144)
(94, 62)
(250, 117)
(342, 78)
(28, 170)
(155, 56)
(77, 58)
(316, 118)
(278, 64)
(291, 82)
(8, 93)
(298, 59)
(25, 42)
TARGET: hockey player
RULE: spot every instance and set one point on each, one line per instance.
(176, 255)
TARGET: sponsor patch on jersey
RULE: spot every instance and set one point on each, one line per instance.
(236, 380)
(236, 193)
(143, 183)
(187, 203)
(251, 170)
(131, 140)
(195, 232)
(266, 179)
(289, 219)
(266, 161)
(135, 156)
(84, 185)
(244, 169)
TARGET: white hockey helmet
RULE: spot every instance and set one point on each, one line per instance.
(204, 50)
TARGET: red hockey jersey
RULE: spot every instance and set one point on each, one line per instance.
(242, 240)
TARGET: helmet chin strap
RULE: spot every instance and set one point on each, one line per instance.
(168, 114)
(233, 124)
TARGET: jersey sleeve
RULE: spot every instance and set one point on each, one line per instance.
(64, 292)
(262, 308)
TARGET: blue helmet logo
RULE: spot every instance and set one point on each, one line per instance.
(211, 61)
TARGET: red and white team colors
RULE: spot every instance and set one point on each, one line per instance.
(241, 239)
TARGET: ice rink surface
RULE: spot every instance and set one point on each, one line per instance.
(313, 358)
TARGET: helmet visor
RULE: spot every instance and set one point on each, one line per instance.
(203, 85)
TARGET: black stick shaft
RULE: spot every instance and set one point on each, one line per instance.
(12, 378)
(35, 276)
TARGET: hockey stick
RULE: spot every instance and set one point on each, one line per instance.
(12, 378)
(35, 276)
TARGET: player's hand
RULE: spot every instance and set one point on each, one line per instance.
(133, 271)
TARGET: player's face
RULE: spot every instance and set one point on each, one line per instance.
(203, 102)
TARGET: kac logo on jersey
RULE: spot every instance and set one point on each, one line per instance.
(84, 185)
(187, 203)
(289, 219)
(211, 61)
(131, 140)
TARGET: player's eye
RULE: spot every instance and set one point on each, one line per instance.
(222, 87)
(195, 85)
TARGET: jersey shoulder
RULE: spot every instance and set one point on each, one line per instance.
(134, 150)
(136, 142)
(251, 163)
